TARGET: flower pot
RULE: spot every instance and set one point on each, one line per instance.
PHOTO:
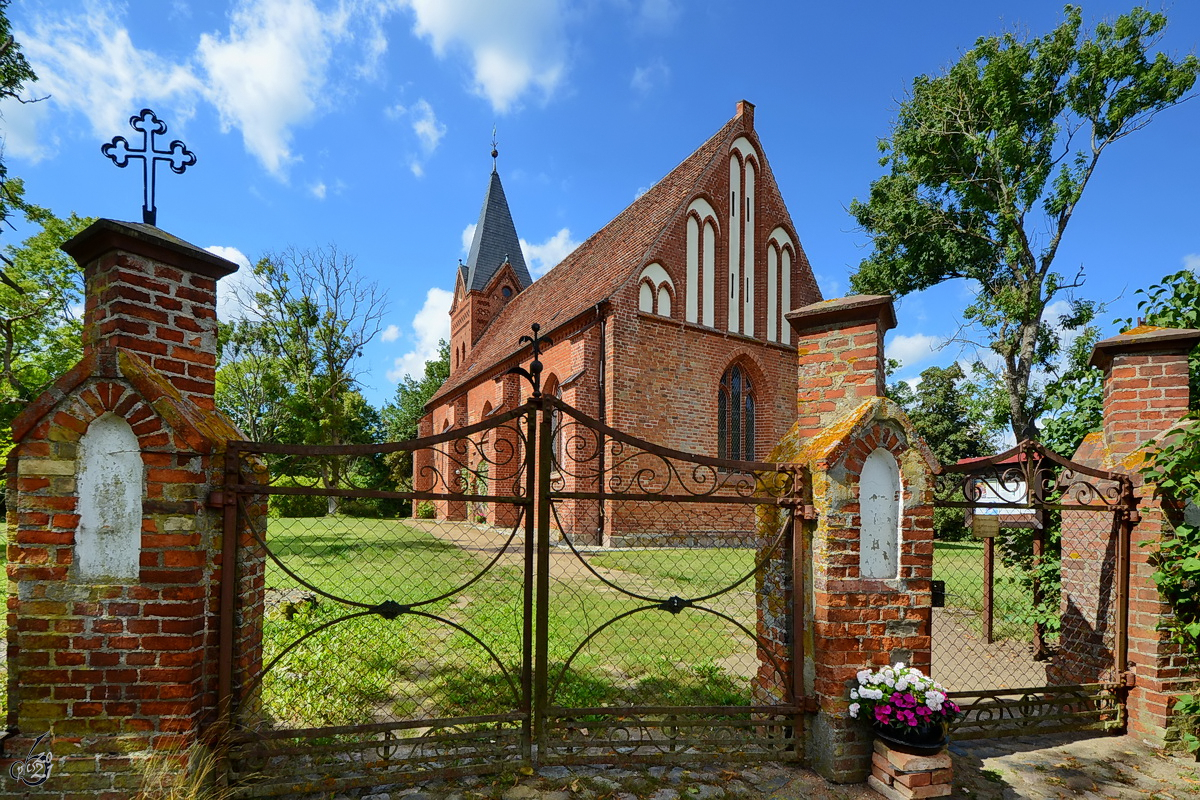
(919, 740)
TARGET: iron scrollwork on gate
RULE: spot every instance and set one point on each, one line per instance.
(1044, 604)
(682, 549)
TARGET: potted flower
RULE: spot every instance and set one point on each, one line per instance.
(905, 707)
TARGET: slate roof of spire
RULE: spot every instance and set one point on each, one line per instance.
(495, 241)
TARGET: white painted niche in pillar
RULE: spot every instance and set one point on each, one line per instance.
(879, 501)
(110, 481)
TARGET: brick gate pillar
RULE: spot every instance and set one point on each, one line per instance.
(113, 555)
(1145, 397)
(870, 548)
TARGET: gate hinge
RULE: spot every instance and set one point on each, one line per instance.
(215, 499)
(805, 510)
(1128, 679)
(810, 703)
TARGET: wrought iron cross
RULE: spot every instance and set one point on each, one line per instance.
(177, 156)
(534, 373)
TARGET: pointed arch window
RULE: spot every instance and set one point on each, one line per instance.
(735, 415)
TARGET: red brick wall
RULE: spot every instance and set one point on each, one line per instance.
(1144, 394)
(117, 670)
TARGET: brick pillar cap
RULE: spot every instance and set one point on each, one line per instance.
(106, 235)
(1144, 339)
(844, 311)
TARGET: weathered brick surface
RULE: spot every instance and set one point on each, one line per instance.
(114, 671)
(852, 622)
(1145, 395)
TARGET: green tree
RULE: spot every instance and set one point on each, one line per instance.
(15, 72)
(949, 418)
(988, 162)
(403, 414)
(291, 364)
(39, 329)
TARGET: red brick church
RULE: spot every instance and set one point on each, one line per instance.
(667, 323)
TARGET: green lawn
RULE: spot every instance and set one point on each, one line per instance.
(960, 565)
(415, 666)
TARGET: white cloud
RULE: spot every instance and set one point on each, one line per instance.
(20, 135)
(540, 258)
(429, 131)
(391, 333)
(266, 75)
(233, 291)
(88, 63)
(913, 350)
(1192, 261)
(657, 14)
(646, 79)
(418, 169)
(641, 190)
(468, 235)
(430, 325)
(515, 47)
(318, 190)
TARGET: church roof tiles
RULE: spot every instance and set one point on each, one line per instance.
(599, 267)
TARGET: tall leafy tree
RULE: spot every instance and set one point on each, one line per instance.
(987, 164)
(950, 418)
(39, 326)
(15, 72)
(291, 364)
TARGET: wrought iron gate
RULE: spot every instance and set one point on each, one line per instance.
(575, 594)
(1030, 632)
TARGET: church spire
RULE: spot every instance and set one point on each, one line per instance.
(496, 240)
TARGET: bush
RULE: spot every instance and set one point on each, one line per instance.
(296, 505)
(426, 510)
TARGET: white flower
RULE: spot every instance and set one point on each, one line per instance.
(899, 665)
(901, 684)
(854, 694)
(864, 676)
(854, 709)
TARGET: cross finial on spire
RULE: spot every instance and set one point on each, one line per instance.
(495, 152)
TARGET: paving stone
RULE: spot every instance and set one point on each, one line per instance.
(665, 794)
(604, 782)
(657, 772)
(554, 772)
(522, 791)
(677, 774)
(703, 791)
(738, 788)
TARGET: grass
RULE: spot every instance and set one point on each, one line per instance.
(960, 565)
(417, 666)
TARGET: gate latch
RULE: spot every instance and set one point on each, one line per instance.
(1128, 679)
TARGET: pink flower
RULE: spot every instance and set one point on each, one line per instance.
(882, 713)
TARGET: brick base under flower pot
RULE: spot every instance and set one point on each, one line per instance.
(901, 776)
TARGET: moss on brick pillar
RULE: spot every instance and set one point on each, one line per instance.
(856, 618)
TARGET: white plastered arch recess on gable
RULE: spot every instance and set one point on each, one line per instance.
(702, 226)
(780, 250)
(743, 169)
(655, 289)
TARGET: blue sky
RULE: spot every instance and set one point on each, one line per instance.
(367, 123)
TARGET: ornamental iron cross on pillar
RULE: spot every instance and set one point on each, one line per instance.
(177, 156)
